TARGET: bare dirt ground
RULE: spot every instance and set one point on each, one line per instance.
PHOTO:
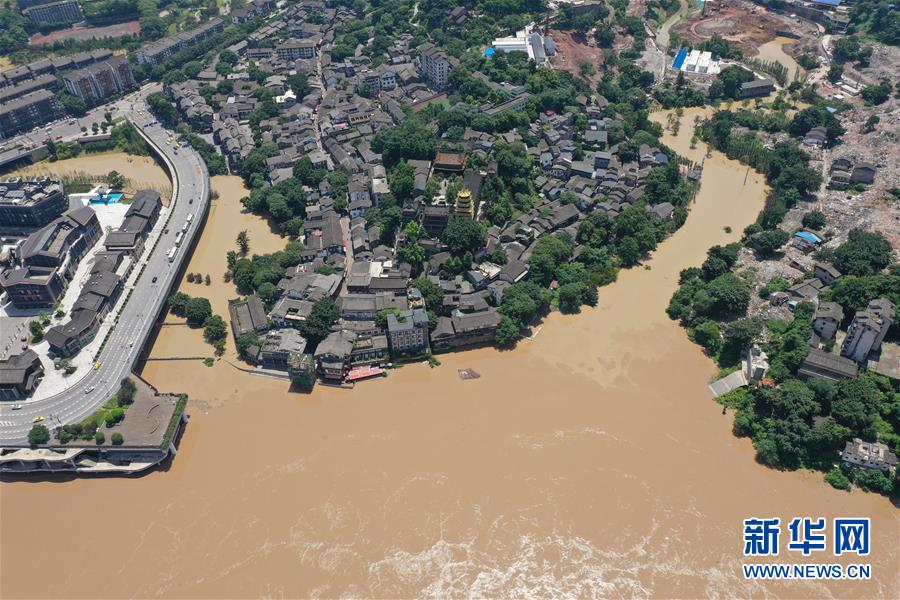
(885, 62)
(572, 49)
(636, 7)
(745, 25)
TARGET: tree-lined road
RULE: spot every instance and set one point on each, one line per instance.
(190, 196)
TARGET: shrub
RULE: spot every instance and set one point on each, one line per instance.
(117, 439)
(814, 219)
(836, 478)
(99, 438)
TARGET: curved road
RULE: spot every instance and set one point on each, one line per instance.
(190, 195)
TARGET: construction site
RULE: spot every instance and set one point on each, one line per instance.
(744, 25)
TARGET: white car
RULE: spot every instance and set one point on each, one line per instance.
(89, 390)
(16, 406)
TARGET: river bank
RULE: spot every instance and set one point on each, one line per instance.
(588, 461)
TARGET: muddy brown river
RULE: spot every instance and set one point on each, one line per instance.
(141, 171)
(590, 461)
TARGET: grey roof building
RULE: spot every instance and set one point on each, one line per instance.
(19, 375)
(819, 363)
(247, 316)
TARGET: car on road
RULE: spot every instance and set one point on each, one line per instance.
(97, 365)
(154, 280)
(17, 407)
(37, 419)
(90, 389)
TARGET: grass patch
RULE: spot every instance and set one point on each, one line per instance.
(173, 422)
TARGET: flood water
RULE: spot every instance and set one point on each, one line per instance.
(774, 50)
(589, 461)
(226, 218)
(141, 171)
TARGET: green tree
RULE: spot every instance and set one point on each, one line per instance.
(463, 235)
(214, 328)
(414, 254)
(524, 301)
(73, 105)
(126, 393)
(835, 72)
(178, 303)
(245, 341)
(708, 336)
(243, 241)
(325, 313)
(864, 253)
(117, 439)
(197, 311)
(432, 293)
(115, 180)
(37, 330)
(38, 435)
(381, 317)
(814, 219)
(858, 403)
(507, 332)
(413, 231)
(570, 296)
(728, 295)
(99, 438)
(401, 179)
(768, 242)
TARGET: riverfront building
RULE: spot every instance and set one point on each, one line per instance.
(869, 455)
(48, 259)
(408, 332)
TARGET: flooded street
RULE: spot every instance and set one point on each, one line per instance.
(589, 461)
(141, 171)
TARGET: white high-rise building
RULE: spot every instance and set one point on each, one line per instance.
(868, 329)
(435, 65)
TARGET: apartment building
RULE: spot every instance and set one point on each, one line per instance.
(868, 329)
(27, 112)
(96, 83)
(434, 65)
(155, 52)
